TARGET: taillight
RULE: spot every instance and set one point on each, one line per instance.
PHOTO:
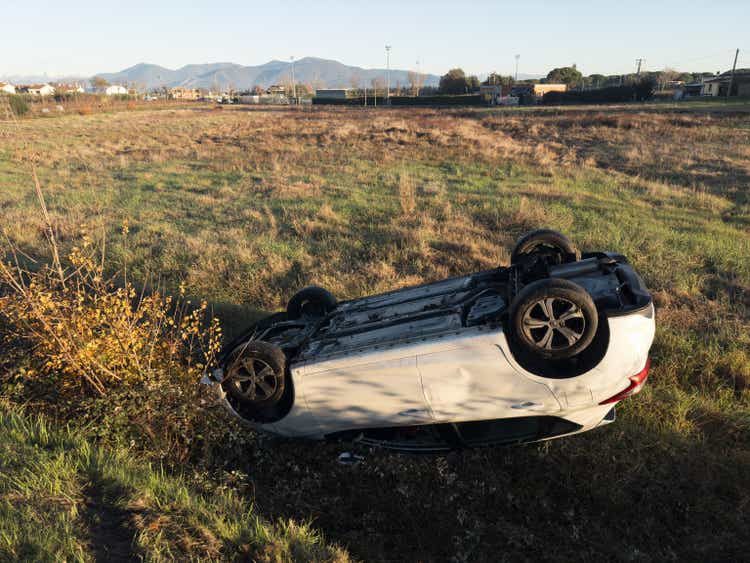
(636, 383)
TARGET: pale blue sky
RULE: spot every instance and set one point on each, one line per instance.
(90, 36)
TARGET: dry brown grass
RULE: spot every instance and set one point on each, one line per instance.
(244, 206)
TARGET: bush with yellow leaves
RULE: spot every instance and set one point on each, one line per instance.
(127, 360)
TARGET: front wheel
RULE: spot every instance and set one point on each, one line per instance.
(311, 302)
(553, 318)
(255, 375)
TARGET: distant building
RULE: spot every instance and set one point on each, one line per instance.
(719, 85)
(276, 90)
(541, 89)
(181, 93)
(531, 93)
(7, 88)
(339, 93)
(691, 90)
(38, 89)
(116, 90)
(491, 93)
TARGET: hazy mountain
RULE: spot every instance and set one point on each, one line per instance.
(310, 70)
(43, 79)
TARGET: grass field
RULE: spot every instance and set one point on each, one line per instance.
(245, 206)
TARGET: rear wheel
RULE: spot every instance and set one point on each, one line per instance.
(553, 318)
(550, 246)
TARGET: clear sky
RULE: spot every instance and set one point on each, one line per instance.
(85, 37)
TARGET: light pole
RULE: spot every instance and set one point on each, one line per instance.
(517, 57)
(294, 87)
(419, 78)
(388, 72)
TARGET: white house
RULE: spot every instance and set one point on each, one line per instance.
(7, 88)
(115, 90)
(39, 89)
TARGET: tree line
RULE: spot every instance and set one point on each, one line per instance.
(456, 82)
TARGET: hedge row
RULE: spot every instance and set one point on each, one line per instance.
(614, 94)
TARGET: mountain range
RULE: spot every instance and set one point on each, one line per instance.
(309, 70)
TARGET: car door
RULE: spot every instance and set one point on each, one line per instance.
(372, 392)
(471, 379)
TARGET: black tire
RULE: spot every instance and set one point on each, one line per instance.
(311, 301)
(255, 375)
(553, 246)
(564, 332)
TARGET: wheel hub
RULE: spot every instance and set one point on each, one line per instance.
(553, 323)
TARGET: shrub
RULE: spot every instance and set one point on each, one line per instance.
(97, 348)
(18, 105)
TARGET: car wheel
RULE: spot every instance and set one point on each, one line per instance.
(551, 246)
(553, 318)
(311, 302)
(255, 374)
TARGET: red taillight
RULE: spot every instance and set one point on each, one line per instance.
(636, 382)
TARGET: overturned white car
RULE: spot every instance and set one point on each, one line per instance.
(540, 349)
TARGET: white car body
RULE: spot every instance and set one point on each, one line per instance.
(454, 374)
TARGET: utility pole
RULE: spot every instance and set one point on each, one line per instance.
(388, 72)
(734, 67)
(516, 78)
(639, 62)
(294, 87)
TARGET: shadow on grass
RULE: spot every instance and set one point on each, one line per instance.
(618, 493)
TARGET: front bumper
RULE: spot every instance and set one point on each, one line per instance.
(213, 383)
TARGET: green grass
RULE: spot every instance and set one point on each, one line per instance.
(63, 499)
(245, 207)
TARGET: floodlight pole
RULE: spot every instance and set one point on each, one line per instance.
(388, 72)
(294, 87)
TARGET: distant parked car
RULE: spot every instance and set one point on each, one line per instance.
(541, 349)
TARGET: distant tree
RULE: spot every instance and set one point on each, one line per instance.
(495, 79)
(472, 83)
(258, 90)
(416, 82)
(596, 80)
(569, 75)
(378, 85)
(644, 88)
(98, 83)
(664, 77)
(453, 82)
(686, 77)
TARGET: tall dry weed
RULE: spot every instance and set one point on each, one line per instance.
(407, 193)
